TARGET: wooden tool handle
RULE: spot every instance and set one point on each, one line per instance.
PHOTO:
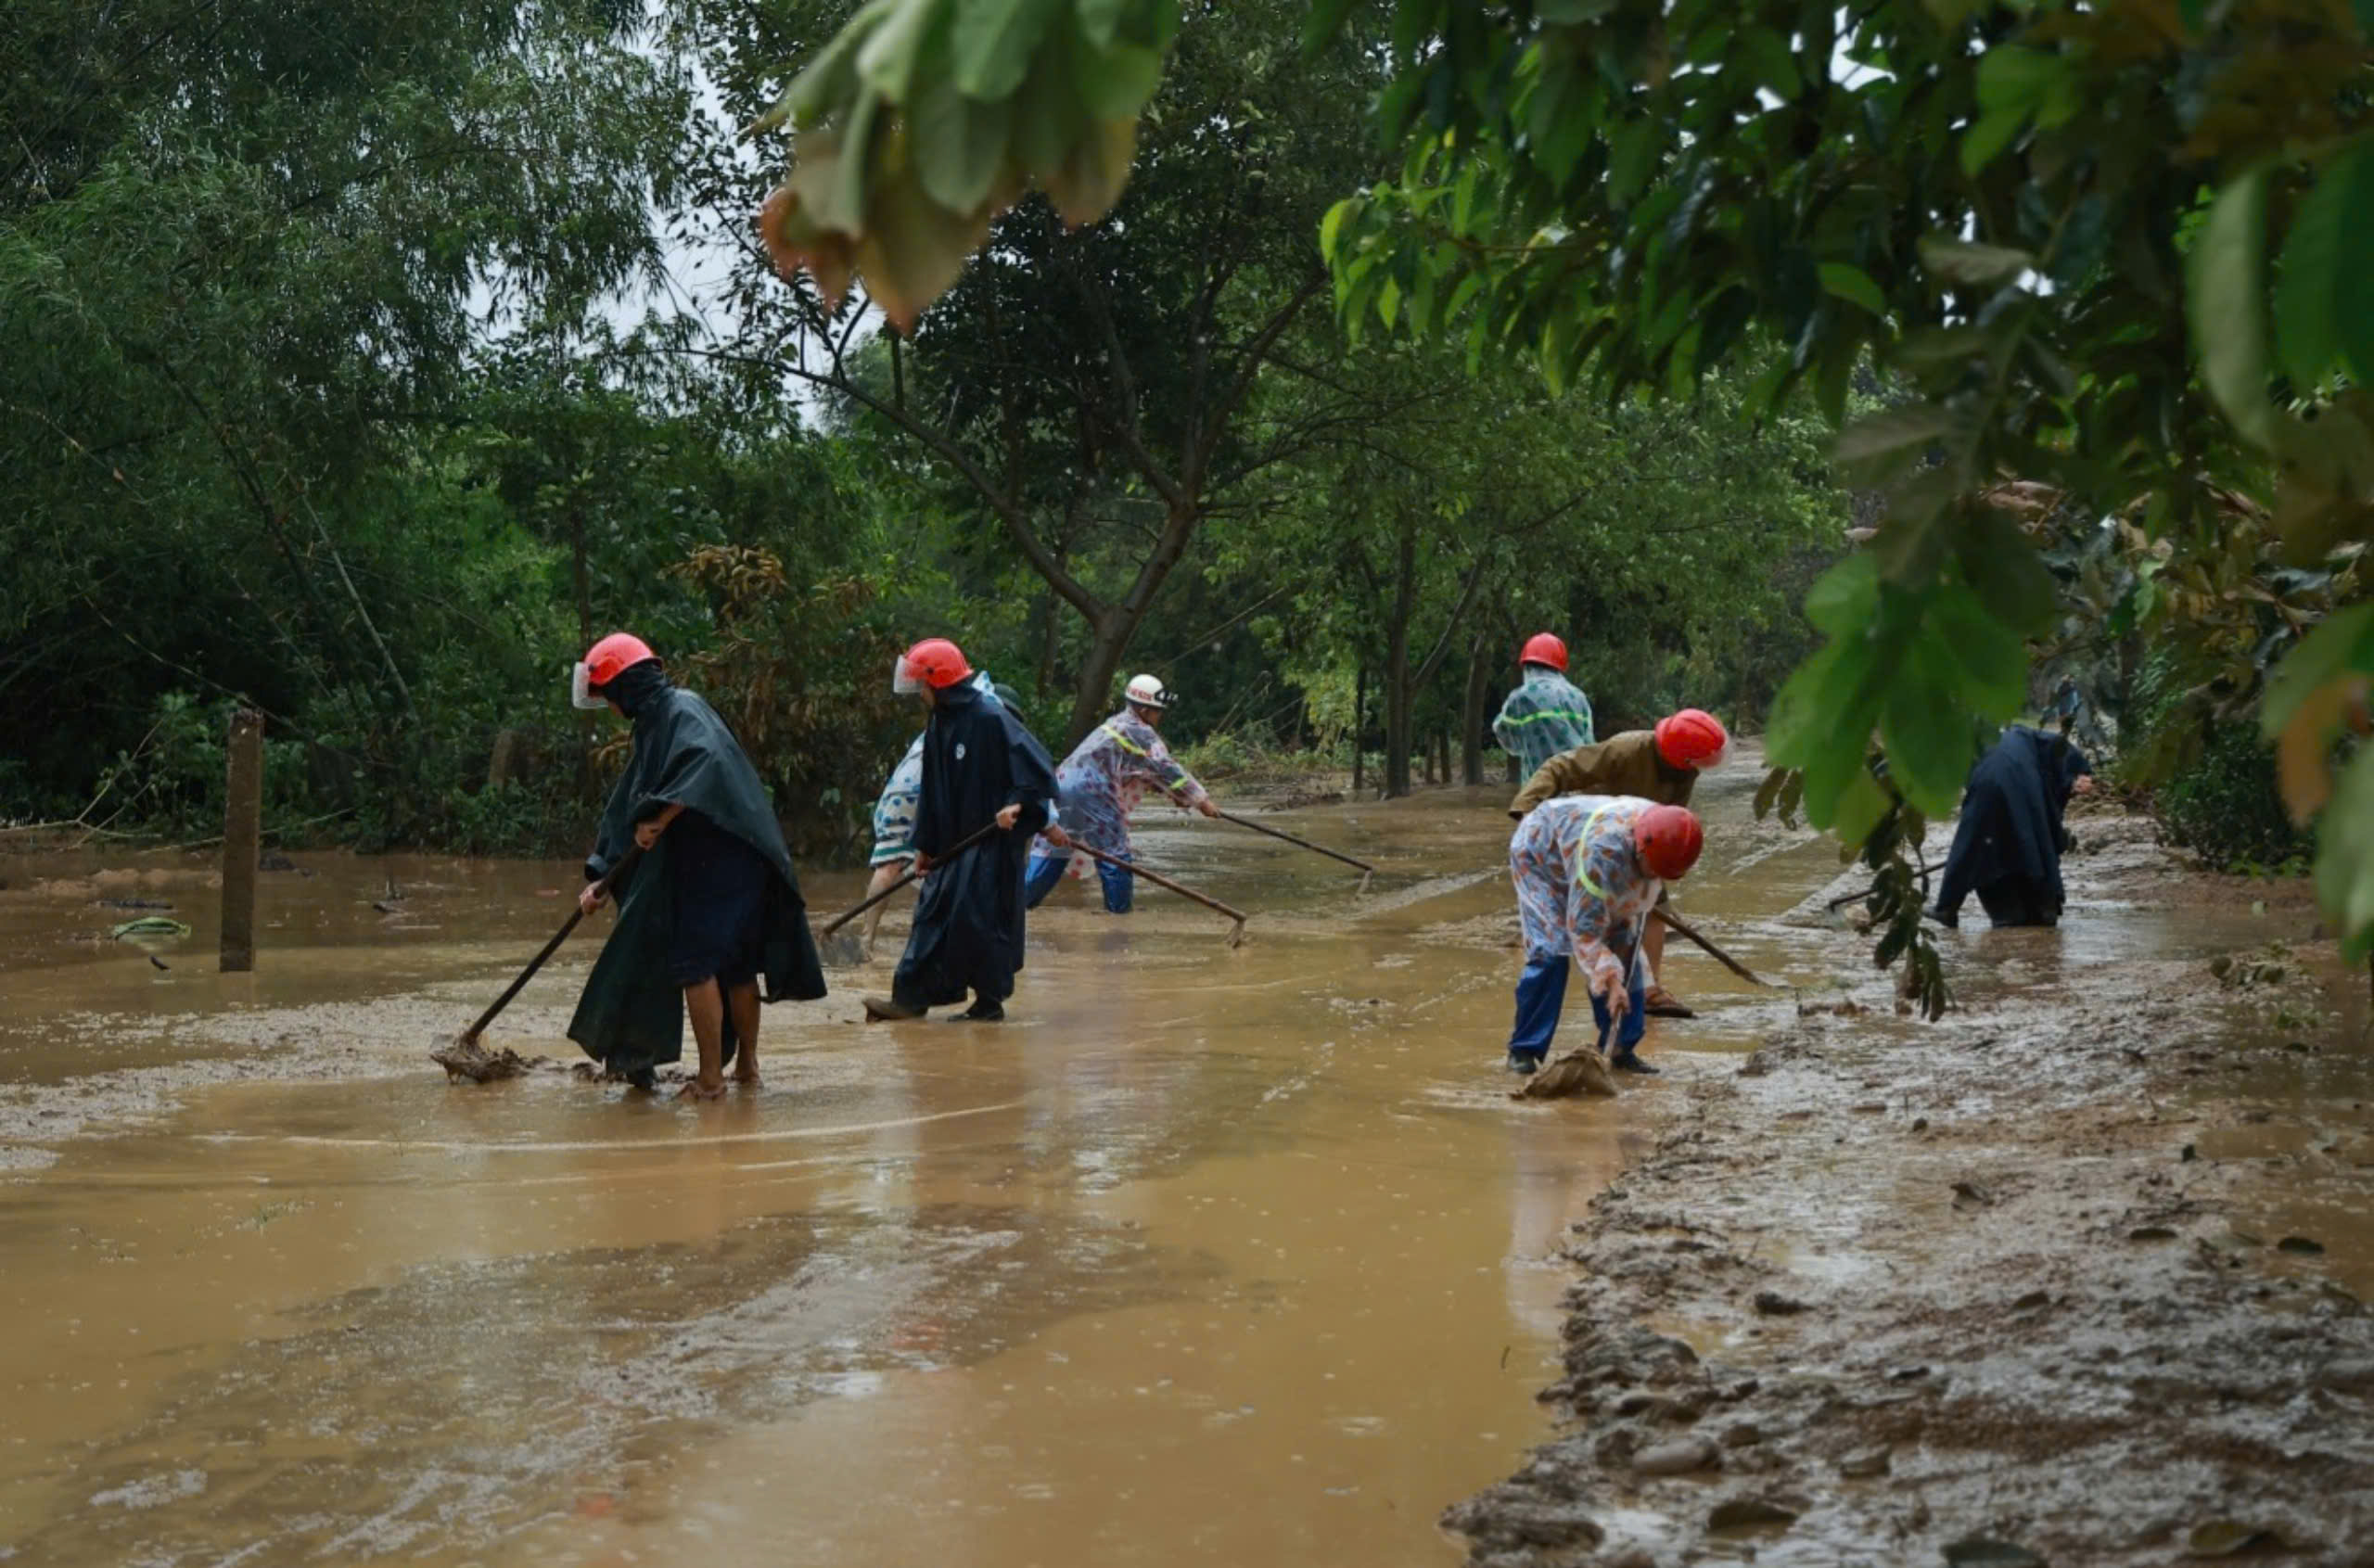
(846, 916)
(1717, 954)
(1159, 881)
(1305, 843)
(602, 887)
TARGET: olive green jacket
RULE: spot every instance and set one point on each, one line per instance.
(1625, 764)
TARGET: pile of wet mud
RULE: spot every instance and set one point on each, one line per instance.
(2069, 1278)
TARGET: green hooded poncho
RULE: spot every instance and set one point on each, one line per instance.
(631, 1018)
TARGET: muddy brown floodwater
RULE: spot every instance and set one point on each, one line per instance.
(1208, 1256)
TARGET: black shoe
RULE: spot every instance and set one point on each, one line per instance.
(642, 1078)
(1523, 1062)
(1629, 1061)
(984, 1012)
(889, 1010)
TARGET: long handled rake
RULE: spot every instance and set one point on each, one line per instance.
(1236, 933)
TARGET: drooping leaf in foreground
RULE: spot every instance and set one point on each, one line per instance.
(926, 119)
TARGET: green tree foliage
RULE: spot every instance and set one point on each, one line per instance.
(2114, 248)
(241, 249)
(1091, 391)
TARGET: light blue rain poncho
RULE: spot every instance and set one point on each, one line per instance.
(1544, 716)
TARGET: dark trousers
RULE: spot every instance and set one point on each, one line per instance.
(2015, 900)
(1047, 871)
(1541, 997)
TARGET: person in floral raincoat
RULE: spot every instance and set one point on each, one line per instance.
(1102, 781)
(1588, 869)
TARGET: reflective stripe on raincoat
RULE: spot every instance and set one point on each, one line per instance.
(1545, 716)
(1104, 778)
(1580, 887)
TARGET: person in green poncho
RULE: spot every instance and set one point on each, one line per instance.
(708, 905)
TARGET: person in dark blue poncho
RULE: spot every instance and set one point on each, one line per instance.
(2008, 843)
(709, 908)
(982, 770)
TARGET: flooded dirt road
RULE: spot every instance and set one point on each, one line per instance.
(1206, 1255)
(2075, 1276)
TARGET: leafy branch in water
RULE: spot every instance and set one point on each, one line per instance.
(1899, 890)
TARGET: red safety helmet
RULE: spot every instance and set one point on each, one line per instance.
(1667, 839)
(605, 662)
(1693, 738)
(1544, 648)
(935, 662)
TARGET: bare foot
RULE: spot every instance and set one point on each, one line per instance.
(748, 1078)
(699, 1090)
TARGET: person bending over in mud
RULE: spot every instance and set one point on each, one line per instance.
(1663, 765)
(1588, 869)
(2008, 843)
(1101, 783)
(710, 905)
(988, 785)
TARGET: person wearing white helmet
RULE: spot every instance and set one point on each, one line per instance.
(1102, 781)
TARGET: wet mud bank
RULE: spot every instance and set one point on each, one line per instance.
(2072, 1278)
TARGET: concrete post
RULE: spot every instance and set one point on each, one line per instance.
(242, 840)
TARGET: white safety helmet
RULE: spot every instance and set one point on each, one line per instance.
(1147, 691)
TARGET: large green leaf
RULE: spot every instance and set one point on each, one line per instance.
(1843, 600)
(1853, 284)
(2226, 304)
(891, 56)
(1989, 661)
(959, 144)
(2345, 855)
(2344, 642)
(1962, 260)
(992, 41)
(1115, 83)
(1927, 732)
(1878, 443)
(2324, 300)
(2003, 569)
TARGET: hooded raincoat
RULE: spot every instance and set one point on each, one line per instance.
(894, 810)
(726, 846)
(967, 934)
(1546, 714)
(2007, 845)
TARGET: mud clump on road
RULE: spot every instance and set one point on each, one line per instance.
(2009, 1288)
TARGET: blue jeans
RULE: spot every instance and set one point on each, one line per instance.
(1045, 870)
(1541, 996)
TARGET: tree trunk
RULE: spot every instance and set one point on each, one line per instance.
(1109, 637)
(1114, 626)
(1360, 717)
(586, 788)
(1442, 756)
(1471, 716)
(1398, 695)
(1048, 643)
